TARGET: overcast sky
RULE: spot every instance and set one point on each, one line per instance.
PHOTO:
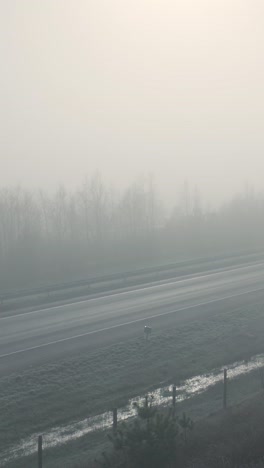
(128, 87)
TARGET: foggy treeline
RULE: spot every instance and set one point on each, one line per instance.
(66, 236)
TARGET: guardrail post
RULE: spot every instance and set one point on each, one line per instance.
(174, 396)
(40, 451)
(225, 389)
(114, 419)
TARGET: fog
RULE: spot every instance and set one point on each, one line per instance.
(71, 235)
(131, 233)
(162, 87)
(126, 127)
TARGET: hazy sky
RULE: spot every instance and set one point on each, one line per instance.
(172, 87)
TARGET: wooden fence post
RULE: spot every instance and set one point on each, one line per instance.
(225, 389)
(174, 396)
(40, 451)
(115, 419)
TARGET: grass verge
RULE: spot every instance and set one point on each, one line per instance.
(40, 398)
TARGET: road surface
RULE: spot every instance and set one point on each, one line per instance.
(31, 338)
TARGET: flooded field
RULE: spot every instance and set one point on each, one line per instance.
(161, 397)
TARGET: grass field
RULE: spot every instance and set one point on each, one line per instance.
(56, 394)
(230, 439)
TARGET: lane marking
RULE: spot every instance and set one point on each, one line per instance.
(94, 332)
(49, 309)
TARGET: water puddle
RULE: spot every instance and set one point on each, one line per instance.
(161, 397)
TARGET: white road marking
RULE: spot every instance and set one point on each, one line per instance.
(48, 309)
(128, 323)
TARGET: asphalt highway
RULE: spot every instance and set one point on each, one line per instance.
(32, 338)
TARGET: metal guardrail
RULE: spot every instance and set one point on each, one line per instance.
(119, 276)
